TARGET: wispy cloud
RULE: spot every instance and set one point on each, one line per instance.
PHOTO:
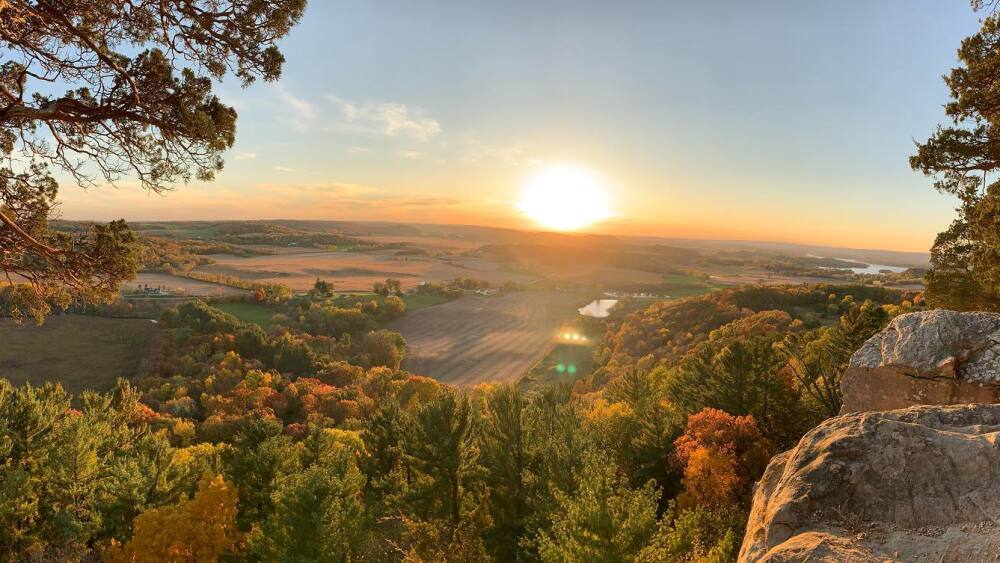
(287, 169)
(294, 110)
(411, 155)
(358, 150)
(473, 150)
(245, 156)
(298, 104)
(387, 118)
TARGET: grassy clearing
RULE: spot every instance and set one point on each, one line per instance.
(689, 291)
(683, 280)
(414, 302)
(562, 363)
(79, 351)
(248, 312)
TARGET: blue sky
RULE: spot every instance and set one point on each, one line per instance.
(779, 120)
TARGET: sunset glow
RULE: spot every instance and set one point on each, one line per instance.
(565, 198)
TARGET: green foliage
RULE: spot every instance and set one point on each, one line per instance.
(259, 457)
(442, 453)
(507, 461)
(696, 535)
(964, 258)
(818, 359)
(198, 316)
(740, 377)
(318, 514)
(331, 452)
(604, 521)
(102, 91)
(383, 348)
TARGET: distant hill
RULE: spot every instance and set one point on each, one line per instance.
(869, 255)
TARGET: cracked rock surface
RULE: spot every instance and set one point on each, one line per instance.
(914, 484)
(933, 357)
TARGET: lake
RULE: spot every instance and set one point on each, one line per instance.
(872, 268)
(598, 308)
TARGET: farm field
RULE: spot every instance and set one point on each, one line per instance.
(79, 351)
(298, 268)
(177, 284)
(478, 339)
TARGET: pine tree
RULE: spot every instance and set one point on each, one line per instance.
(440, 448)
(506, 457)
(318, 515)
(604, 521)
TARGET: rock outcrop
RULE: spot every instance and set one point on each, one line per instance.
(928, 358)
(916, 484)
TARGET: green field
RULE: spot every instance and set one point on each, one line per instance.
(413, 302)
(683, 280)
(248, 312)
(689, 291)
(79, 351)
(419, 301)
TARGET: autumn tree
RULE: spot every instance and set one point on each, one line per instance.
(722, 456)
(383, 348)
(101, 91)
(198, 529)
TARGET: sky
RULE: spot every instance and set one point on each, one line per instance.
(774, 120)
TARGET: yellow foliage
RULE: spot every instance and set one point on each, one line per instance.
(350, 439)
(196, 530)
(602, 410)
(183, 431)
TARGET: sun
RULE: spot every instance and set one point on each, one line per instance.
(565, 198)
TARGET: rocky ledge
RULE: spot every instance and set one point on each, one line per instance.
(928, 358)
(915, 484)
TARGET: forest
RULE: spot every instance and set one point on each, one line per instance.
(306, 442)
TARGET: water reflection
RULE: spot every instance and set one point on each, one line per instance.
(598, 308)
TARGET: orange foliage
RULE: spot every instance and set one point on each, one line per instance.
(196, 530)
(721, 456)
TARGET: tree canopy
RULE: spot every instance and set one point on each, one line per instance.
(104, 91)
(961, 157)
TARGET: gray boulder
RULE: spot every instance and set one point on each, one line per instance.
(933, 357)
(916, 484)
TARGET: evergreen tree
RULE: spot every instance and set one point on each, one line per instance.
(604, 521)
(962, 157)
(259, 456)
(507, 461)
(318, 515)
(441, 449)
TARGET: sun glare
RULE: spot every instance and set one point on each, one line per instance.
(565, 198)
